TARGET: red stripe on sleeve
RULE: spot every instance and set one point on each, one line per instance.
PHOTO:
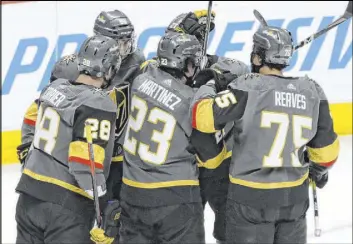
(328, 164)
(29, 122)
(194, 111)
(85, 162)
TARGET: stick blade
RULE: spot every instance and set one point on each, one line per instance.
(260, 18)
(349, 9)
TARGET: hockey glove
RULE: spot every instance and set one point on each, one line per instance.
(194, 23)
(318, 174)
(221, 78)
(98, 236)
(111, 217)
(22, 152)
(110, 224)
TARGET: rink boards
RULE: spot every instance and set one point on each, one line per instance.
(31, 47)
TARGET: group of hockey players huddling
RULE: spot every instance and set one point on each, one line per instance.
(171, 134)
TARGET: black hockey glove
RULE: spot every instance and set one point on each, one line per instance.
(110, 224)
(22, 152)
(221, 78)
(194, 23)
(318, 174)
(111, 217)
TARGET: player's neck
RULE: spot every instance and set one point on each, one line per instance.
(268, 71)
(85, 79)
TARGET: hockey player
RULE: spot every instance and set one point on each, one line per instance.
(160, 195)
(65, 68)
(55, 203)
(277, 118)
(117, 25)
(212, 155)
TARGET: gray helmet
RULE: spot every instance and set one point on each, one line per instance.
(65, 68)
(99, 57)
(174, 49)
(273, 44)
(117, 25)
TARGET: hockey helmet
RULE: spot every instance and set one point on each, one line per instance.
(175, 50)
(117, 25)
(274, 45)
(65, 68)
(99, 57)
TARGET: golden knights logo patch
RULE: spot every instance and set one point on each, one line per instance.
(121, 97)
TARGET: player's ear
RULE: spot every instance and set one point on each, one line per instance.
(256, 60)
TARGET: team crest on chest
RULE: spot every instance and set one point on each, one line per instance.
(122, 98)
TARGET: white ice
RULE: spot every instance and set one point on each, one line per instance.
(335, 203)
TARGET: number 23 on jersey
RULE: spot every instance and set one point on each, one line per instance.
(162, 137)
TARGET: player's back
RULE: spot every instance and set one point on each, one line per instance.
(279, 120)
(59, 141)
(156, 141)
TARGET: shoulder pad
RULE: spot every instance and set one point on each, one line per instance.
(139, 56)
(250, 81)
(232, 65)
(320, 92)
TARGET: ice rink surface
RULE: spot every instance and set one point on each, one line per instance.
(335, 203)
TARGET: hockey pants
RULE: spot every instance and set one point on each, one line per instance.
(182, 223)
(214, 190)
(246, 224)
(45, 222)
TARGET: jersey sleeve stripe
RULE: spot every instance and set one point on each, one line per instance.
(78, 152)
(84, 162)
(29, 122)
(202, 116)
(213, 163)
(31, 114)
(326, 155)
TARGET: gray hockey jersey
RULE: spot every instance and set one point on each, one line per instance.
(158, 169)
(58, 160)
(129, 69)
(212, 149)
(276, 119)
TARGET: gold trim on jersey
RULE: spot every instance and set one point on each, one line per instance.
(118, 159)
(154, 185)
(325, 154)
(57, 182)
(203, 116)
(269, 185)
(228, 155)
(213, 162)
(78, 152)
(144, 64)
(112, 96)
(31, 113)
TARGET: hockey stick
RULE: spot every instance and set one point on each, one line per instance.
(260, 18)
(347, 15)
(316, 211)
(208, 27)
(93, 173)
